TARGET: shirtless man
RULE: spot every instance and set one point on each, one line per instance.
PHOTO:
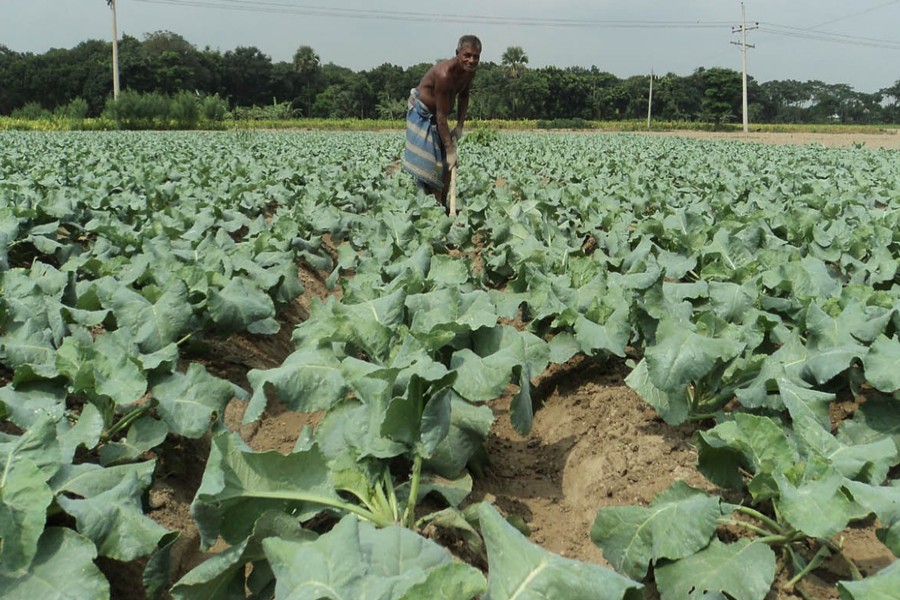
(430, 152)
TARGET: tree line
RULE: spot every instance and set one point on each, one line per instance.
(165, 63)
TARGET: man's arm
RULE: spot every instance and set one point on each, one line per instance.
(461, 110)
(442, 95)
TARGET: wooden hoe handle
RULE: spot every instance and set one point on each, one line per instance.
(452, 194)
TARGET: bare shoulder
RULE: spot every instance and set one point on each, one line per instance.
(441, 71)
(434, 73)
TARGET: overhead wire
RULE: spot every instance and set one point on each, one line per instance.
(856, 14)
(268, 6)
(821, 36)
(815, 33)
(273, 6)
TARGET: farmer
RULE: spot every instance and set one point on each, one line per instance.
(430, 152)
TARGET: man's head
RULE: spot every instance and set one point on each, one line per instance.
(468, 52)
(469, 40)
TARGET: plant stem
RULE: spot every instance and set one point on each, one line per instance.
(813, 564)
(854, 570)
(126, 421)
(701, 416)
(755, 529)
(773, 524)
(362, 499)
(417, 394)
(413, 492)
(392, 494)
(384, 505)
(694, 397)
(368, 515)
(777, 539)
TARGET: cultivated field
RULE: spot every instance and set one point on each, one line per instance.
(262, 364)
(886, 139)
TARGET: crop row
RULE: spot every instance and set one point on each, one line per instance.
(750, 286)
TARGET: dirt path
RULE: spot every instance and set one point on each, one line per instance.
(888, 139)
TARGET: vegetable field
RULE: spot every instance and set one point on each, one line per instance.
(263, 365)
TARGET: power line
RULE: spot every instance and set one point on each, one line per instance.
(275, 7)
(821, 36)
(856, 14)
(815, 33)
(263, 6)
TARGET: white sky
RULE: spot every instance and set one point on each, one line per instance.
(861, 45)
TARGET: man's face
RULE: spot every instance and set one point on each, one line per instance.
(468, 57)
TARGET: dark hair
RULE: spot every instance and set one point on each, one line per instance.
(469, 40)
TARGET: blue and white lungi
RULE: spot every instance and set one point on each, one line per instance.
(424, 156)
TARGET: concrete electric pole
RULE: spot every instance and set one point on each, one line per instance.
(743, 44)
(115, 49)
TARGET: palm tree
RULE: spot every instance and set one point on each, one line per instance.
(306, 61)
(514, 59)
(306, 64)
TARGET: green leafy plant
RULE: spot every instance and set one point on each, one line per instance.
(480, 136)
(30, 111)
(748, 303)
(806, 488)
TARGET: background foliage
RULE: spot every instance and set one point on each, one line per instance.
(165, 63)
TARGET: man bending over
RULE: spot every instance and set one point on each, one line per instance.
(430, 152)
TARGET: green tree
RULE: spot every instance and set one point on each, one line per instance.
(340, 97)
(514, 59)
(392, 82)
(892, 109)
(307, 65)
(676, 98)
(722, 95)
(389, 108)
(598, 81)
(54, 78)
(528, 94)
(285, 85)
(176, 63)
(306, 61)
(572, 94)
(10, 67)
(784, 101)
(335, 102)
(489, 99)
(841, 103)
(94, 80)
(612, 103)
(637, 91)
(246, 75)
(160, 42)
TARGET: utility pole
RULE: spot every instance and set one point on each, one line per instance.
(650, 100)
(115, 50)
(743, 44)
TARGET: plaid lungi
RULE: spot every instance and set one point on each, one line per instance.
(424, 156)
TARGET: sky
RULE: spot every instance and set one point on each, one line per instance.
(854, 42)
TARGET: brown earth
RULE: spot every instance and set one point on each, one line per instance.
(594, 444)
(888, 138)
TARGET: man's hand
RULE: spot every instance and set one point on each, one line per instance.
(451, 157)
